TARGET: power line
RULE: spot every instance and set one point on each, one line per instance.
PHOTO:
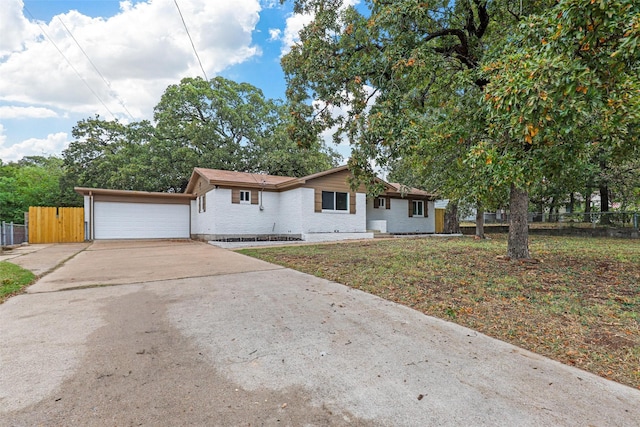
(191, 40)
(70, 64)
(113, 92)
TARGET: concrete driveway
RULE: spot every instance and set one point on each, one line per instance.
(185, 333)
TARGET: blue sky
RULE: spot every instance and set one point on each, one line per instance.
(63, 61)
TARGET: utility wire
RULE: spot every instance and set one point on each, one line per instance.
(70, 64)
(191, 40)
(113, 92)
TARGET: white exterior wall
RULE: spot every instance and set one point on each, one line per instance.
(398, 219)
(286, 213)
(291, 212)
(333, 222)
(88, 232)
(225, 218)
(203, 222)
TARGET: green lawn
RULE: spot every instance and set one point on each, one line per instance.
(13, 279)
(579, 304)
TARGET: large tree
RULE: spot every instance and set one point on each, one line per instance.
(216, 124)
(222, 124)
(399, 66)
(567, 89)
(110, 154)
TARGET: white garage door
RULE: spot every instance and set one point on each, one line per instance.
(115, 220)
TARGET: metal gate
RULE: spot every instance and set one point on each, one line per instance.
(56, 225)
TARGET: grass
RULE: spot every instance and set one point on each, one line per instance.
(13, 280)
(579, 305)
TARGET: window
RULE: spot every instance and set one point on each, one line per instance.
(202, 203)
(245, 196)
(381, 202)
(418, 208)
(335, 201)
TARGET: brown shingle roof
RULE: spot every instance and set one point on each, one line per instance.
(230, 177)
(410, 191)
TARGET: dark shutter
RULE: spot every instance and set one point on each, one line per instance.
(410, 208)
(317, 201)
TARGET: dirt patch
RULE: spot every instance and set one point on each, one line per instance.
(139, 370)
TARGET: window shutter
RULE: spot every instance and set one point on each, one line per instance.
(352, 203)
(388, 203)
(376, 203)
(426, 209)
(254, 197)
(204, 202)
(235, 195)
(410, 208)
(317, 201)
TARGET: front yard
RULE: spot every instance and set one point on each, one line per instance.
(580, 304)
(13, 280)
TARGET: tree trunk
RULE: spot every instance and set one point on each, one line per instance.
(480, 221)
(451, 223)
(518, 245)
(572, 203)
(604, 204)
(587, 206)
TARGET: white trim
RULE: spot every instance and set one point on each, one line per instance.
(246, 200)
(335, 202)
(416, 215)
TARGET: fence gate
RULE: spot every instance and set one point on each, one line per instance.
(56, 225)
(440, 220)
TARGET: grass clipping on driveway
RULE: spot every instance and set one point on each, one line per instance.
(13, 280)
(579, 305)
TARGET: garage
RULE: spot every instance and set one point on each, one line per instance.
(120, 214)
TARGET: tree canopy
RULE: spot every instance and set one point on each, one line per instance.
(32, 181)
(482, 98)
(217, 124)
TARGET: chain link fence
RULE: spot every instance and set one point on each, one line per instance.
(13, 234)
(577, 220)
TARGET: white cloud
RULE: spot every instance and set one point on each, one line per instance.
(13, 112)
(14, 26)
(294, 24)
(274, 34)
(139, 51)
(54, 144)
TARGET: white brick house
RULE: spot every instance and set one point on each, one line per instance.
(231, 205)
(226, 205)
(401, 210)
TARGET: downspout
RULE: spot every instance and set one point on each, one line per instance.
(261, 192)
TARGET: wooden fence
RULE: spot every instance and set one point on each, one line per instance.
(440, 220)
(56, 225)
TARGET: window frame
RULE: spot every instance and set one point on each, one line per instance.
(334, 206)
(246, 200)
(382, 203)
(417, 203)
